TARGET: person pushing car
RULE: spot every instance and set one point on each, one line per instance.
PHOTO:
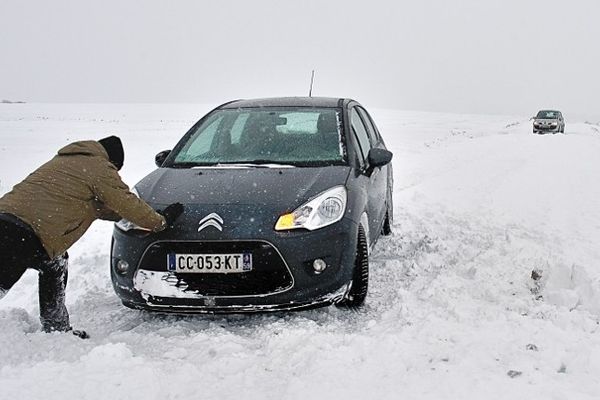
(45, 214)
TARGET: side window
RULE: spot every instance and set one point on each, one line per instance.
(361, 134)
(372, 131)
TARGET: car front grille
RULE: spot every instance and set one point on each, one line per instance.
(269, 274)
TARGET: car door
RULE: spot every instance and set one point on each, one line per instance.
(375, 197)
(379, 177)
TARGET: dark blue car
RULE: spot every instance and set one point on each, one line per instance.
(283, 200)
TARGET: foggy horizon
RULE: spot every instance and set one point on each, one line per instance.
(497, 57)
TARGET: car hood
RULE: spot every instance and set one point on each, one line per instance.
(284, 187)
(545, 120)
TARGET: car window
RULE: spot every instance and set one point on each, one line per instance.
(238, 127)
(299, 123)
(547, 114)
(207, 138)
(290, 135)
(362, 136)
(371, 130)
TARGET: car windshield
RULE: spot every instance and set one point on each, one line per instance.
(547, 115)
(292, 136)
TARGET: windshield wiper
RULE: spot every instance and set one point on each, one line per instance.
(185, 164)
(255, 164)
(251, 164)
(246, 164)
(264, 163)
(259, 163)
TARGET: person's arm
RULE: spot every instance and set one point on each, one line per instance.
(116, 196)
(105, 213)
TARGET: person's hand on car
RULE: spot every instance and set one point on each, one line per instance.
(171, 213)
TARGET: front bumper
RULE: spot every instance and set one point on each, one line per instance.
(148, 285)
(198, 303)
(546, 128)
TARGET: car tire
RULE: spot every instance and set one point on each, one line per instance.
(360, 277)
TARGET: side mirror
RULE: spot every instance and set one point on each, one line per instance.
(160, 158)
(379, 157)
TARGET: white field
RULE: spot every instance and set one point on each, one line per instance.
(480, 202)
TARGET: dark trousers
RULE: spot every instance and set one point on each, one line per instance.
(20, 249)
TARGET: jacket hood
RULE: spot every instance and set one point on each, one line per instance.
(114, 149)
(86, 147)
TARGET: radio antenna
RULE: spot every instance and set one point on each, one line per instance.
(312, 80)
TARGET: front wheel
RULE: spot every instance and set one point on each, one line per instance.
(360, 278)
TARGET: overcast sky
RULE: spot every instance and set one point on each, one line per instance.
(475, 56)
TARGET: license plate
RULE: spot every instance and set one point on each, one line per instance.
(209, 263)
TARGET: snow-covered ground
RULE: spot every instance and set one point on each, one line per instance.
(453, 311)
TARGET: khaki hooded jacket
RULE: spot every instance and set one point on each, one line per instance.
(62, 198)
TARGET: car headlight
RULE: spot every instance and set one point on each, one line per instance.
(126, 225)
(325, 209)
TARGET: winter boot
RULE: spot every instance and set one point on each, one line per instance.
(52, 284)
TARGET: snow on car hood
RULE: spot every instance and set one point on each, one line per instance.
(267, 186)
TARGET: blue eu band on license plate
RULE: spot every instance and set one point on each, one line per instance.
(171, 262)
(209, 263)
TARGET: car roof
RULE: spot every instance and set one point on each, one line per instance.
(287, 102)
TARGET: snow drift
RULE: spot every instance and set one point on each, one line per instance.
(489, 287)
